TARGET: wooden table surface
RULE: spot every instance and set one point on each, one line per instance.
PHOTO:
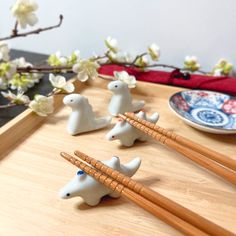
(32, 172)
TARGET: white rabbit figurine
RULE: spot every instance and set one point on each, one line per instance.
(127, 134)
(85, 186)
(82, 118)
(121, 101)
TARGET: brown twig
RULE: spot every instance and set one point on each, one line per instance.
(15, 33)
(105, 77)
(138, 56)
(99, 58)
(132, 64)
(7, 105)
(68, 69)
(44, 69)
(15, 30)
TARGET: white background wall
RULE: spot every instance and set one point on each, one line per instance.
(205, 28)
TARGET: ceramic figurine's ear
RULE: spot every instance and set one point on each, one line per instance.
(85, 101)
(142, 115)
(153, 118)
(115, 162)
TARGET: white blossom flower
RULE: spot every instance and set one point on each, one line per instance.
(23, 81)
(111, 44)
(42, 105)
(142, 61)
(86, 69)
(7, 70)
(122, 57)
(112, 56)
(3, 83)
(217, 72)
(60, 83)
(126, 58)
(154, 51)
(126, 78)
(4, 51)
(191, 63)
(57, 60)
(19, 98)
(21, 62)
(74, 58)
(23, 10)
(222, 68)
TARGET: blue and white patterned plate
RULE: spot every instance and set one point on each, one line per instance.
(206, 110)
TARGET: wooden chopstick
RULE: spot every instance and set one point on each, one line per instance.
(196, 157)
(149, 206)
(215, 156)
(158, 199)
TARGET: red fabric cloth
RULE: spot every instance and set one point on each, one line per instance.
(220, 84)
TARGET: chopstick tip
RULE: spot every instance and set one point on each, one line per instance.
(64, 155)
(129, 113)
(77, 152)
(122, 116)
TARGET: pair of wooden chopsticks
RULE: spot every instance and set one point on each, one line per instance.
(165, 209)
(218, 163)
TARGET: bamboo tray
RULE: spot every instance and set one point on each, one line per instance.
(32, 172)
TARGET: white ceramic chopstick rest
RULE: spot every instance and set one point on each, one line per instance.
(86, 187)
(127, 134)
(121, 100)
(82, 118)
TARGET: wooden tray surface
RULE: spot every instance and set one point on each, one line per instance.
(32, 172)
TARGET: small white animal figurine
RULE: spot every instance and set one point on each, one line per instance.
(86, 187)
(121, 101)
(82, 118)
(127, 134)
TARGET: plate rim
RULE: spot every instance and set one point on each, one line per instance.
(195, 124)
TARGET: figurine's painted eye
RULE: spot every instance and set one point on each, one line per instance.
(80, 172)
(68, 194)
(116, 86)
(71, 100)
(113, 136)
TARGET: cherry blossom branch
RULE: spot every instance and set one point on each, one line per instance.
(10, 104)
(15, 30)
(15, 33)
(68, 69)
(105, 77)
(132, 64)
(138, 56)
(109, 61)
(44, 69)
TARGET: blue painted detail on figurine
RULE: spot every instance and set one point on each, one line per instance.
(80, 172)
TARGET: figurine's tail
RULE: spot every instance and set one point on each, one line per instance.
(102, 122)
(130, 168)
(138, 105)
(153, 118)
